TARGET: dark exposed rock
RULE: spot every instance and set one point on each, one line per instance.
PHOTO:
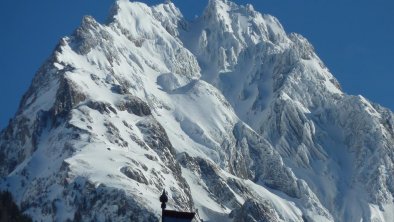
(86, 41)
(114, 136)
(150, 157)
(216, 184)
(336, 83)
(239, 160)
(253, 211)
(90, 35)
(210, 174)
(20, 133)
(9, 211)
(111, 128)
(17, 129)
(67, 97)
(119, 89)
(138, 141)
(134, 105)
(42, 120)
(188, 162)
(266, 163)
(95, 78)
(42, 80)
(157, 139)
(102, 107)
(238, 187)
(134, 174)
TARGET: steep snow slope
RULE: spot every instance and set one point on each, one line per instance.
(228, 113)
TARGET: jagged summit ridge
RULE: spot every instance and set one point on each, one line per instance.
(229, 113)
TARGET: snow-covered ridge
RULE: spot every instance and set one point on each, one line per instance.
(229, 113)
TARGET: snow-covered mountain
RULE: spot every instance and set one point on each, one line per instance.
(234, 117)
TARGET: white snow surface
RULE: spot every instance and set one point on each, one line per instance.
(223, 111)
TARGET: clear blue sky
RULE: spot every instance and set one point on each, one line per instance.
(355, 38)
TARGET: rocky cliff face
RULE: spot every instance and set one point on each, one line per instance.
(229, 113)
